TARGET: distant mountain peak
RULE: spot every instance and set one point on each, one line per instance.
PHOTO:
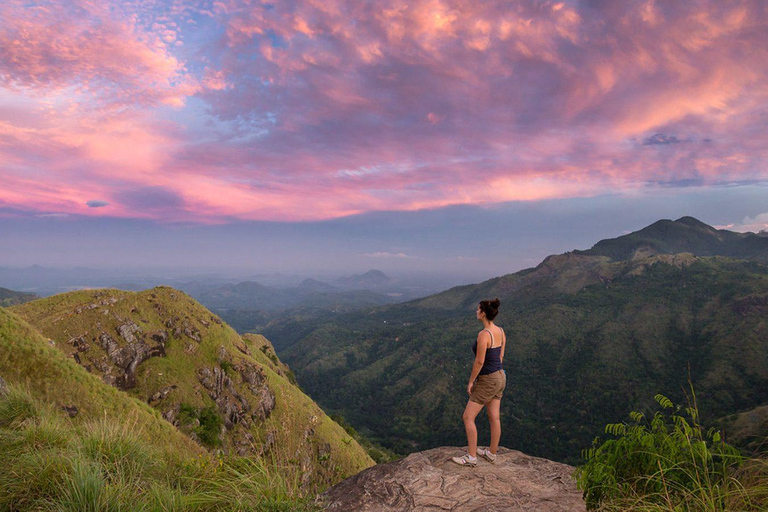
(692, 221)
(314, 285)
(372, 278)
(375, 273)
(686, 234)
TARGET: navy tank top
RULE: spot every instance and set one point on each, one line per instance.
(492, 357)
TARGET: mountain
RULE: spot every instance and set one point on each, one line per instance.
(313, 285)
(591, 337)
(10, 297)
(230, 394)
(371, 279)
(684, 235)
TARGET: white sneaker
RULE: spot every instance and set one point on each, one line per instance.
(465, 460)
(487, 455)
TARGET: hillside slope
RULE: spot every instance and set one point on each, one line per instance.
(10, 297)
(28, 360)
(684, 235)
(590, 338)
(224, 391)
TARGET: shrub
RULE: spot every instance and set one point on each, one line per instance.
(210, 427)
(205, 423)
(669, 460)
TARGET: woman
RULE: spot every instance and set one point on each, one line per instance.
(486, 384)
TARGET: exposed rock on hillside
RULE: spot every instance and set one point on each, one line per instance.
(221, 390)
(429, 481)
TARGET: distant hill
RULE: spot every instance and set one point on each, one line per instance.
(748, 430)
(371, 279)
(11, 298)
(313, 285)
(592, 335)
(230, 394)
(310, 293)
(683, 235)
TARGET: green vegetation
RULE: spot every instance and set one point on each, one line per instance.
(670, 462)
(197, 343)
(377, 452)
(260, 461)
(11, 298)
(52, 463)
(589, 340)
(205, 423)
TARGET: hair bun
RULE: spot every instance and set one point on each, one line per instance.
(496, 303)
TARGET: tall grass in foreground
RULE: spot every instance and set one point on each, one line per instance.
(49, 463)
(670, 463)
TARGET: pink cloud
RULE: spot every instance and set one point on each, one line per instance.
(307, 110)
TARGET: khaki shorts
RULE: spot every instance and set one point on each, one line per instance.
(489, 387)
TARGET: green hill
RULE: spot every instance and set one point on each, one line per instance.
(10, 297)
(590, 339)
(28, 360)
(684, 235)
(228, 393)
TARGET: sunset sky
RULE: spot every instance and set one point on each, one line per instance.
(472, 137)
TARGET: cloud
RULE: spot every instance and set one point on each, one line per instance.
(659, 139)
(397, 255)
(153, 199)
(96, 204)
(754, 224)
(303, 110)
(91, 51)
(53, 215)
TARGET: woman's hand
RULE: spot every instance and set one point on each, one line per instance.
(469, 388)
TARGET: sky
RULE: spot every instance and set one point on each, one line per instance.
(463, 137)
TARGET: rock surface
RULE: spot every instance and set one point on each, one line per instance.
(429, 481)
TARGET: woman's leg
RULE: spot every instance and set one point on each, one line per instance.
(492, 409)
(470, 413)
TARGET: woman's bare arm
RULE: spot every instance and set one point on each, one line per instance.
(503, 344)
(482, 343)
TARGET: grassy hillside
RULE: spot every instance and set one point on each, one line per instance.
(28, 361)
(589, 340)
(229, 394)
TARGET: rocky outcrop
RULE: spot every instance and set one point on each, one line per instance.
(239, 409)
(3, 388)
(160, 395)
(234, 407)
(429, 481)
(127, 358)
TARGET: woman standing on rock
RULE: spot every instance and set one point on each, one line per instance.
(486, 384)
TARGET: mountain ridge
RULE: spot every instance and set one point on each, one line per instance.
(591, 338)
(686, 234)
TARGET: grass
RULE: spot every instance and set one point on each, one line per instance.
(297, 425)
(50, 463)
(118, 453)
